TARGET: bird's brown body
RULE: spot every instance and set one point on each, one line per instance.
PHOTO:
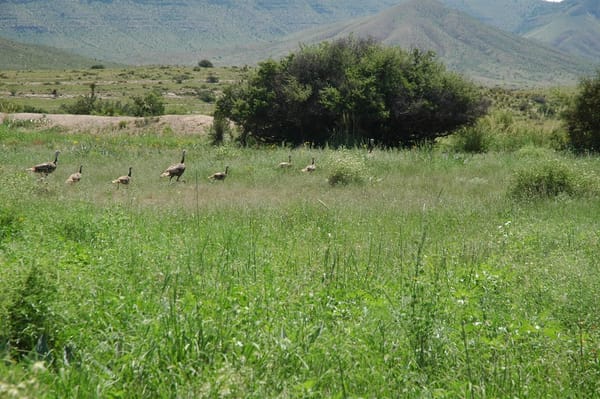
(47, 167)
(125, 180)
(287, 164)
(175, 170)
(219, 175)
(75, 177)
(311, 167)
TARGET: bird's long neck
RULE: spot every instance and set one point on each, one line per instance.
(129, 174)
(183, 157)
(56, 157)
(80, 167)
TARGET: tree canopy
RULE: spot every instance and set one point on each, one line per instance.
(583, 116)
(348, 91)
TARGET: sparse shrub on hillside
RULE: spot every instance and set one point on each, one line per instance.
(583, 116)
(218, 130)
(151, 104)
(8, 107)
(205, 63)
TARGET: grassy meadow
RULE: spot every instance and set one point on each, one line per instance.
(426, 275)
(184, 89)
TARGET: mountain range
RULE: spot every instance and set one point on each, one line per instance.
(494, 41)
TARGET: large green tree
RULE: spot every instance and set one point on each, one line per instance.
(583, 116)
(348, 91)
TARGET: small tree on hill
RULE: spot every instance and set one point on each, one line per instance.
(583, 116)
(348, 91)
(204, 63)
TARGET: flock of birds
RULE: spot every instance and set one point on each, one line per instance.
(175, 170)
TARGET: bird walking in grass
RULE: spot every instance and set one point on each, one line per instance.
(287, 164)
(371, 145)
(45, 168)
(311, 167)
(175, 170)
(123, 179)
(219, 175)
(75, 177)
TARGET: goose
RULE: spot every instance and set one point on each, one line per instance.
(219, 175)
(75, 177)
(287, 164)
(311, 167)
(371, 145)
(123, 179)
(47, 167)
(175, 169)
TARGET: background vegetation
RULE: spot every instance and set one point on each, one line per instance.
(467, 268)
(350, 91)
(184, 90)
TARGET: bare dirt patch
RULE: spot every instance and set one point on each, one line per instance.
(183, 124)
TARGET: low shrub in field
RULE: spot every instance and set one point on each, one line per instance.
(28, 316)
(346, 168)
(9, 224)
(547, 179)
(471, 139)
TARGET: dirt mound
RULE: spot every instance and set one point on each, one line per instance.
(185, 124)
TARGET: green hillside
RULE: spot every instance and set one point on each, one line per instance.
(169, 31)
(14, 55)
(464, 44)
(573, 27)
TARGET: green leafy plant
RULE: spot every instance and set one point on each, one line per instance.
(346, 167)
(543, 180)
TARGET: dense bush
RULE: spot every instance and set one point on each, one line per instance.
(546, 179)
(347, 91)
(205, 63)
(151, 104)
(583, 116)
(345, 168)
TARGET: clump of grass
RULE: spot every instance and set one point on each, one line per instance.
(546, 180)
(471, 139)
(28, 316)
(10, 224)
(345, 168)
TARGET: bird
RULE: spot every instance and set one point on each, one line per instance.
(287, 164)
(219, 175)
(175, 169)
(311, 167)
(47, 167)
(123, 179)
(371, 145)
(75, 177)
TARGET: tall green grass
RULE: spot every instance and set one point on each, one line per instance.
(423, 278)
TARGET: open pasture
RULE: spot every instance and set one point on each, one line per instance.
(422, 279)
(184, 90)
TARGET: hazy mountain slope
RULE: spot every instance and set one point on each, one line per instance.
(464, 44)
(504, 14)
(151, 31)
(16, 55)
(572, 26)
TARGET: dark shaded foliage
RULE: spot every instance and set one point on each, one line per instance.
(583, 116)
(350, 90)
